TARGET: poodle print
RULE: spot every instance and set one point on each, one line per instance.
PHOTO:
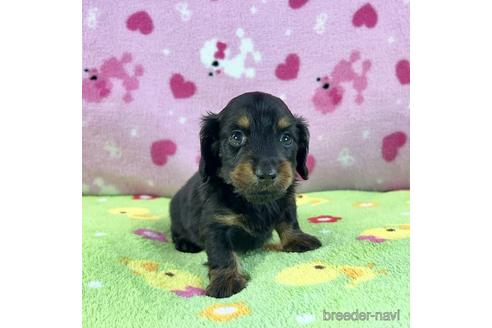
(97, 85)
(329, 95)
(217, 58)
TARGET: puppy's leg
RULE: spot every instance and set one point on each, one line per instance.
(184, 245)
(224, 273)
(180, 217)
(291, 236)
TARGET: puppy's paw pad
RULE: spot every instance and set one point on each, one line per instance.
(302, 243)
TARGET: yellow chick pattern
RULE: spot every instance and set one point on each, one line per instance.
(390, 232)
(304, 199)
(137, 213)
(317, 272)
(182, 283)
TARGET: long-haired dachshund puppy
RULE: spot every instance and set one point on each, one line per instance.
(250, 153)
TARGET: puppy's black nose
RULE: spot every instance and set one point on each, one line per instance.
(267, 173)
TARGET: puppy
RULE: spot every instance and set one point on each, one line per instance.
(245, 188)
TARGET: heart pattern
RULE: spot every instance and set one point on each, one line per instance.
(161, 150)
(180, 87)
(403, 71)
(296, 4)
(140, 21)
(391, 145)
(366, 15)
(310, 163)
(289, 69)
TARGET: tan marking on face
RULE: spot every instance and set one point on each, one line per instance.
(243, 122)
(283, 122)
(285, 174)
(243, 176)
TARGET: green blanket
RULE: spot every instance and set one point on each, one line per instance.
(133, 276)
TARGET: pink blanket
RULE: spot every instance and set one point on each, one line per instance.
(152, 68)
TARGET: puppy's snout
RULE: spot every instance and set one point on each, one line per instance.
(266, 172)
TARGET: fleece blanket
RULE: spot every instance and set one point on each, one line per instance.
(133, 276)
(151, 68)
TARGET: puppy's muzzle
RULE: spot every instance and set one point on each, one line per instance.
(267, 180)
(266, 172)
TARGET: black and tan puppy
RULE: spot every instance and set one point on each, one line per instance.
(244, 189)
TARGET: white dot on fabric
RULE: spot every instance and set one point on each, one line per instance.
(182, 120)
(94, 284)
(345, 158)
(305, 318)
(100, 234)
(225, 310)
(288, 32)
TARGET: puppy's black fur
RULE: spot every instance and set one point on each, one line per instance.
(250, 153)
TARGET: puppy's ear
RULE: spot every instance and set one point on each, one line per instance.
(209, 135)
(302, 147)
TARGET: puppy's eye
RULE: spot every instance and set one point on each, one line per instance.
(286, 139)
(237, 138)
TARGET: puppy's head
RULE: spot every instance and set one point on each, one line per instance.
(256, 145)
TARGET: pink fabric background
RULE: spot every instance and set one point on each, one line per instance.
(141, 111)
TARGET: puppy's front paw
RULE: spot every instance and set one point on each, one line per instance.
(301, 242)
(225, 285)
